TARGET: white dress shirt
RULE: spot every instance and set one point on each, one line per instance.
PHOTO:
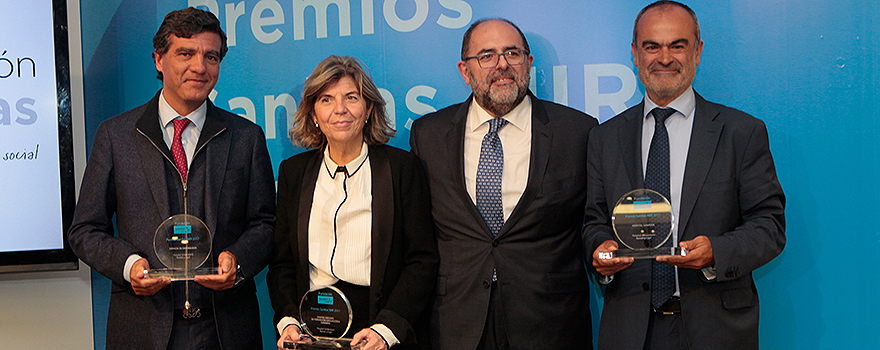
(516, 143)
(190, 135)
(189, 138)
(340, 223)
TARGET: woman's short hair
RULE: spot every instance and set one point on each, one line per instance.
(306, 134)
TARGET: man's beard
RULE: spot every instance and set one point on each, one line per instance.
(499, 101)
(667, 86)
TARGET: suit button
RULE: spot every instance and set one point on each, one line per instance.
(646, 286)
(732, 272)
(494, 243)
(379, 295)
(487, 284)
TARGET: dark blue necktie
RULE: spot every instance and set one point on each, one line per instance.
(657, 179)
(489, 177)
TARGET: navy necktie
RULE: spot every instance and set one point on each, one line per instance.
(657, 179)
(489, 177)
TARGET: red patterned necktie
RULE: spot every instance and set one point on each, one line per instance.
(177, 147)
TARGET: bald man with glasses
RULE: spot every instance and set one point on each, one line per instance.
(507, 176)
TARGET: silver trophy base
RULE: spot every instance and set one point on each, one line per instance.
(320, 343)
(643, 253)
(180, 275)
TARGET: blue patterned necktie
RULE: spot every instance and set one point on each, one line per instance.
(657, 179)
(489, 177)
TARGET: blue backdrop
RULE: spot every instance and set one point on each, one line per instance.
(807, 68)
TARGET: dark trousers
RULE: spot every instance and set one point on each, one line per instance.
(194, 333)
(666, 332)
(494, 332)
(359, 298)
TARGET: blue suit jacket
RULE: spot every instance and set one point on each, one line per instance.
(126, 177)
(730, 194)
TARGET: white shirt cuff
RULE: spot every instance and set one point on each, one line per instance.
(709, 272)
(286, 321)
(126, 270)
(386, 334)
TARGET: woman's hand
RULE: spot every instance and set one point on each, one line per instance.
(291, 334)
(368, 339)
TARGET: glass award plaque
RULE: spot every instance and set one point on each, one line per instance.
(643, 221)
(182, 243)
(326, 316)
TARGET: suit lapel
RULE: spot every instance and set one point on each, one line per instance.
(539, 155)
(630, 138)
(216, 158)
(704, 141)
(455, 145)
(382, 222)
(306, 196)
(153, 154)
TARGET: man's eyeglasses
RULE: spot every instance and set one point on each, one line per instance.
(490, 59)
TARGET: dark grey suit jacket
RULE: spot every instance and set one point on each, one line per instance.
(127, 177)
(404, 251)
(538, 253)
(730, 194)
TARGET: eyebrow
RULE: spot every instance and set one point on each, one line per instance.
(345, 94)
(678, 41)
(192, 50)
(508, 48)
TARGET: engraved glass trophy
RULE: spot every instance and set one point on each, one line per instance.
(183, 244)
(326, 316)
(643, 221)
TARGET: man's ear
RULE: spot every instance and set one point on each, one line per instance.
(463, 69)
(157, 59)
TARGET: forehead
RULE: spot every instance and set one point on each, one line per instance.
(346, 84)
(494, 34)
(206, 40)
(666, 24)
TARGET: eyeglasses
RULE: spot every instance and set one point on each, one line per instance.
(490, 59)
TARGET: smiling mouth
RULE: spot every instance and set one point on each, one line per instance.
(197, 82)
(665, 72)
(503, 80)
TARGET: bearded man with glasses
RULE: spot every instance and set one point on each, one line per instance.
(507, 175)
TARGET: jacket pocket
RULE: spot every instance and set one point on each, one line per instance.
(739, 298)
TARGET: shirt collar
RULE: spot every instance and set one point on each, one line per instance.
(167, 114)
(520, 116)
(683, 104)
(352, 167)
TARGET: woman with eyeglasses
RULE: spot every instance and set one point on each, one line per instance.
(353, 213)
